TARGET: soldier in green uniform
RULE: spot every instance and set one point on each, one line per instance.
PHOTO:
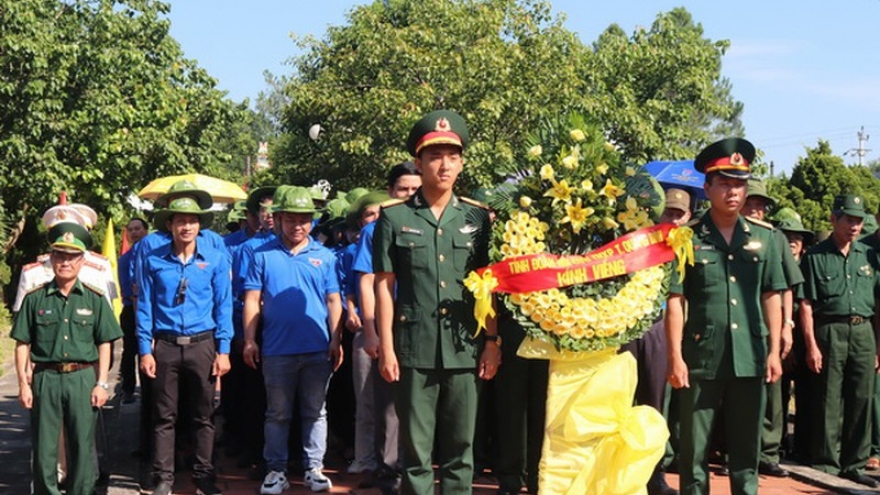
(64, 328)
(424, 247)
(836, 314)
(726, 344)
(758, 202)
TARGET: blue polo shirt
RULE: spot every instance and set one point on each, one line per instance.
(123, 271)
(294, 294)
(235, 239)
(207, 301)
(241, 261)
(363, 258)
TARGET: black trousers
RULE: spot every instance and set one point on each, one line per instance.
(191, 365)
(128, 365)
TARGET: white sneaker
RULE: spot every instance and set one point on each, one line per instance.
(316, 481)
(274, 483)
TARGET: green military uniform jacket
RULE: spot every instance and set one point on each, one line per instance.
(790, 267)
(841, 285)
(725, 335)
(434, 323)
(63, 329)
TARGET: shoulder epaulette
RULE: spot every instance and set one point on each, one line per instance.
(761, 223)
(97, 290)
(30, 266)
(693, 223)
(97, 256)
(392, 202)
(37, 287)
(473, 202)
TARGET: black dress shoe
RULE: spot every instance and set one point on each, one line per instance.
(860, 479)
(657, 485)
(772, 469)
(163, 488)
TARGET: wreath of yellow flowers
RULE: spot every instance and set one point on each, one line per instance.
(587, 321)
(568, 194)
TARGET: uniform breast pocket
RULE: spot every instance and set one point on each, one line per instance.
(46, 328)
(462, 250)
(831, 284)
(413, 252)
(708, 268)
(83, 328)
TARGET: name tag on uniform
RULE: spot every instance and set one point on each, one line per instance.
(753, 246)
(84, 312)
(410, 230)
(704, 247)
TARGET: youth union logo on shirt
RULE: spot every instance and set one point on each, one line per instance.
(316, 262)
(202, 265)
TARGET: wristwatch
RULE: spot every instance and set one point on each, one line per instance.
(104, 385)
(494, 338)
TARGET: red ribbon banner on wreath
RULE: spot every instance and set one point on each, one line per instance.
(630, 253)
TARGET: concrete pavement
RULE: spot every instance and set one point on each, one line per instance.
(121, 421)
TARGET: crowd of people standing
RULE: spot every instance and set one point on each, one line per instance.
(311, 316)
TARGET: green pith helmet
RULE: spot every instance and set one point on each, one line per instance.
(185, 188)
(355, 194)
(850, 204)
(183, 205)
(787, 214)
(237, 213)
(69, 237)
(758, 189)
(258, 196)
(293, 199)
(794, 225)
(337, 208)
(438, 127)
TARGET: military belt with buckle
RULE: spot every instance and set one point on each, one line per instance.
(178, 339)
(63, 367)
(848, 319)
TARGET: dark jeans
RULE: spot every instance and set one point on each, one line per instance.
(191, 364)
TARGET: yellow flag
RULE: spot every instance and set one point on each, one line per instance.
(109, 252)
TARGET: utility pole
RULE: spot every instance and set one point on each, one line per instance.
(861, 151)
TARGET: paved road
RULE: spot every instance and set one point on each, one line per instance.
(121, 432)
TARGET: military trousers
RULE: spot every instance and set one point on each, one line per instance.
(742, 402)
(63, 399)
(842, 397)
(442, 401)
(520, 411)
(771, 432)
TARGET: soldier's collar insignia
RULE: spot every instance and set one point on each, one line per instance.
(410, 230)
(84, 311)
(469, 229)
(753, 246)
(704, 230)
(442, 125)
(417, 200)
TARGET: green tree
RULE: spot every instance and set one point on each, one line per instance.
(816, 179)
(506, 66)
(660, 92)
(98, 100)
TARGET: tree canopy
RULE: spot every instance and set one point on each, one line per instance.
(97, 101)
(506, 66)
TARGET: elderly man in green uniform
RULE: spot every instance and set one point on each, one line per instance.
(64, 328)
(836, 313)
(725, 345)
(758, 202)
(424, 247)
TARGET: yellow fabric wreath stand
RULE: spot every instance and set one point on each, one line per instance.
(595, 441)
